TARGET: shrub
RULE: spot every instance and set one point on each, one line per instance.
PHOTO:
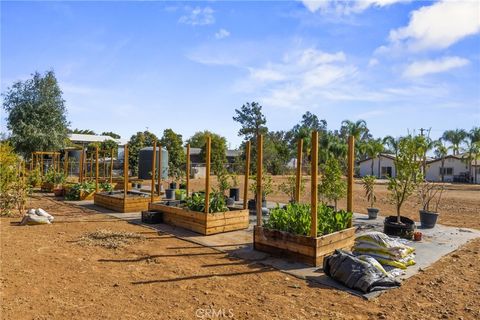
(77, 188)
(369, 187)
(289, 187)
(332, 187)
(53, 177)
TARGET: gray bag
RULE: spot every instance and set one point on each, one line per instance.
(356, 274)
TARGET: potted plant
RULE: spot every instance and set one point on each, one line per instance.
(53, 181)
(332, 188)
(369, 187)
(428, 193)
(234, 189)
(34, 178)
(267, 186)
(402, 186)
(289, 187)
(180, 194)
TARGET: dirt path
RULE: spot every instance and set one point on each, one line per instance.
(45, 274)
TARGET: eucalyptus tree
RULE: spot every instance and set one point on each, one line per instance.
(455, 137)
(36, 114)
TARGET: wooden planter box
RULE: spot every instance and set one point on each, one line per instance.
(116, 203)
(86, 196)
(202, 223)
(301, 248)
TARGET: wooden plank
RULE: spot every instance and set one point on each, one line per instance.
(336, 236)
(351, 165)
(298, 180)
(314, 185)
(247, 175)
(259, 179)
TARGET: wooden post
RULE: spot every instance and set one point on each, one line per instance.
(31, 164)
(314, 186)
(91, 166)
(188, 168)
(41, 163)
(160, 168)
(104, 166)
(247, 174)
(351, 165)
(80, 169)
(298, 184)
(65, 164)
(52, 164)
(259, 197)
(207, 178)
(96, 169)
(154, 173)
(125, 172)
(111, 167)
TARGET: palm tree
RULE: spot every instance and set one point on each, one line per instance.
(392, 144)
(358, 129)
(474, 136)
(374, 148)
(455, 137)
(441, 151)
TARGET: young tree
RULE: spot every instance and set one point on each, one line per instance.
(138, 141)
(408, 172)
(36, 114)
(332, 187)
(176, 154)
(276, 152)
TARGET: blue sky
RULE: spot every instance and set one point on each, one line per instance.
(125, 66)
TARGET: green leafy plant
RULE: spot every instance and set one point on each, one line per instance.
(105, 186)
(34, 178)
(332, 187)
(296, 218)
(369, 187)
(289, 187)
(180, 194)
(216, 203)
(234, 178)
(74, 192)
(54, 177)
(267, 185)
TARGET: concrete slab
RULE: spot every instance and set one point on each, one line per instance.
(435, 244)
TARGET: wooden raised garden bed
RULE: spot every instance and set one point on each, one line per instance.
(206, 224)
(301, 248)
(134, 202)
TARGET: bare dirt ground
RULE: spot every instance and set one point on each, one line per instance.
(47, 274)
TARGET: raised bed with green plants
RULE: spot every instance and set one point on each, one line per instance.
(190, 214)
(286, 233)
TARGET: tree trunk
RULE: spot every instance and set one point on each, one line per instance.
(398, 214)
(372, 165)
(379, 172)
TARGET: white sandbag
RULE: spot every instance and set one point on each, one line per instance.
(31, 211)
(42, 213)
(34, 219)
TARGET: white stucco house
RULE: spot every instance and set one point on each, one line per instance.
(454, 168)
(383, 166)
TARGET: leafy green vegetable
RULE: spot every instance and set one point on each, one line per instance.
(216, 204)
(296, 218)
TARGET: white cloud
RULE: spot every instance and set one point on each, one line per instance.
(373, 62)
(222, 33)
(438, 26)
(421, 68)
(198, 16)
(346, 7)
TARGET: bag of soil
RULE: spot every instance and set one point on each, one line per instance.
(356, 274)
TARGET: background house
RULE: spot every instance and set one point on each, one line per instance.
(383, 166)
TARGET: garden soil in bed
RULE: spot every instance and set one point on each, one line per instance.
(164, 277)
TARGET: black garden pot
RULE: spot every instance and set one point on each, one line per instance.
(230, 202)
(372, 213)
(404, 229)
(235, 194)
(252, 204)
(183, 186)
(173, 185)
(428, 219)
(170, 194)
(152, 217)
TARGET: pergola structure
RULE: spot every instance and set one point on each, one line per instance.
(38, 158)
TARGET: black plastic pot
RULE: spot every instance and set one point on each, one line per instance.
(152, 217)
(170, 194)
(372, 213)
(404, 229)
(252, 204)
(173, 185)
(428, 219)
(235, 194)
(230, 202)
